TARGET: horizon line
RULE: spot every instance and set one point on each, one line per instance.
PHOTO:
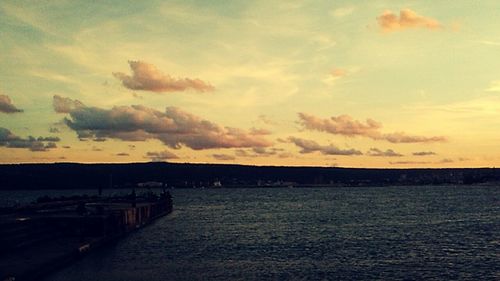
(245, 165)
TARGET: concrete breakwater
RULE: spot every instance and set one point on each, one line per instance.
(42, 237)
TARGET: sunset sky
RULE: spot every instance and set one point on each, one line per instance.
(395, 84)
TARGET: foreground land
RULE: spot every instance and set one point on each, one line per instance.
(42, 237)
(73, 175)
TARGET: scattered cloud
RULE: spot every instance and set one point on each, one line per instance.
(342, 125)
(401, 137)
(442, 161)
(267, 120)
(46, 147)
(347, 126)
(335, 75)
(65, 105)
(258, 152)
(10, 140)
(146, 77)
(390, 21)
(424, 153)
(49, 139)
(224, 157)
(174, 127)
(285, 155)
(161, 155)
(259, 132)
(339, 72)
(243, 153)
(387, 153)
(262, 151)
(309, 146)
(409, 163)
(6, 105)
(135, 95)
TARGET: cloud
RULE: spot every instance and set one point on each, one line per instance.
(266, 120)
(335, 75)
(442, 161)
(338, 72)
(347, 126)
(285, 155)
(258, 151)
(262, 151)
(6, 105)
(244, 153)
(401, 137)
(174, 127)
(259, 132)
(424, 153)
(387, 153)
(342, 124)
(309, 146)
(49, 139)
(65, 105)
(390, 21)
(160, 155)
(224, 157)
(146, 77)
(10, 140)
(408, 163)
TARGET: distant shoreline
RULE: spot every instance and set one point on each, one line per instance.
(166, 175)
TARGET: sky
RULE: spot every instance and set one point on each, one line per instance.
(382, 84)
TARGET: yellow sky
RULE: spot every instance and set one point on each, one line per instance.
(316, 83)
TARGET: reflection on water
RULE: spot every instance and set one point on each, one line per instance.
(383, 233)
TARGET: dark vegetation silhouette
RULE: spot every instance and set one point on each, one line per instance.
(74, 175)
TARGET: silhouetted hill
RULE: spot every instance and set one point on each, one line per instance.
(73, 175)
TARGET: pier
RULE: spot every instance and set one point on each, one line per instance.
(42, 237)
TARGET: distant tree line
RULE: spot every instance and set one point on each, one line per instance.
(76, 176)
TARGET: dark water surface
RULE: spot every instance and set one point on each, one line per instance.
(377, 233)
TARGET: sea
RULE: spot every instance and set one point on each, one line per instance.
(342, 233)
